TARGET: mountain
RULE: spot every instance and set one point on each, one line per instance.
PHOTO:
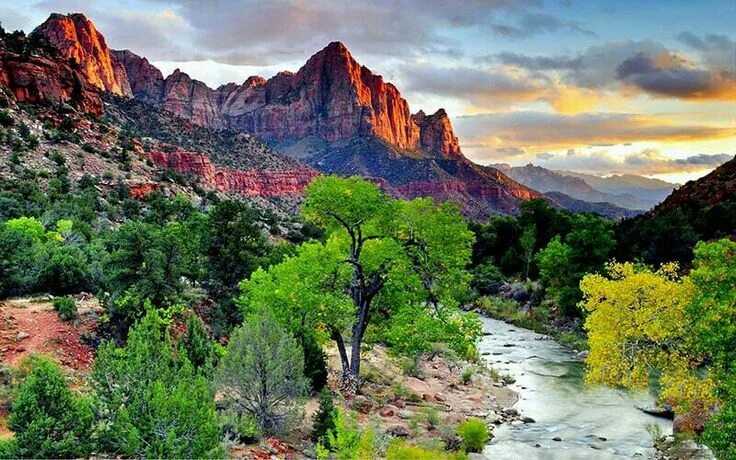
(703, 209)
(648, 191)
(332, 114)
(630, 192)
(603, 209)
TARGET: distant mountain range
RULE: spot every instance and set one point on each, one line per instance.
(626, 191)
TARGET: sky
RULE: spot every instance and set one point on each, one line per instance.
(603, 87)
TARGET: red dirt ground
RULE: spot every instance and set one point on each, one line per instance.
(46, 333)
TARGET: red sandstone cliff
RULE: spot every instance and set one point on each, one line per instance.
(249, 183)
(77, 38)
(38, 76)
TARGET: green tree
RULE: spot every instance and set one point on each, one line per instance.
(65, 272)
(48, 419)
(563, 264)
(711, 313)
(381, 255)
(262, 373)
(151, 401)
(197, 344)
(234, 245)
(324, 419)
(16, 249)
(528, 242)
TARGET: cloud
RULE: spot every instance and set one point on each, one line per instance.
(646, 162)
(497, 88)
(541, 131)
(628, 68)
(544, 156)
(535, 23)
(717, 50)
(533, 62)
(478, 87)
(261, 33)
(668, 75)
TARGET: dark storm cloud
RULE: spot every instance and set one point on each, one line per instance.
(675, 79)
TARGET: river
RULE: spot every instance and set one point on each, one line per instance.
(597, 423)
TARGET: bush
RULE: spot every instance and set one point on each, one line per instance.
(151, 402)
(6, 120)
(261, 354)
(348, 440)
(431, 417)
(400, 450)
(197, 345)
(66, 307)
(324, 419)
(467, 375)
(66, 271)
(473, 434)
(48, 419)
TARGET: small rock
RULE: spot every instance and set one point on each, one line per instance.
(557, 439)
(595, 446)
(429, 397)
(517, 423)
(583, 354)
(388, 411)
(537, 445)
(507, 345)
(23, 335)
(527, 420)
(400, 403)
(601, 438)
(405, 414)
(439, 397)
(510, 411)
(398, 431)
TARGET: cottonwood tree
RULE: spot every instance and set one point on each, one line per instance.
(381, 255)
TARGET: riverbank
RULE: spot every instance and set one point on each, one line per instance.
(423, 408)
(537, 318)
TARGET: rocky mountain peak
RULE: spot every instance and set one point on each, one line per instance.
(76, 37)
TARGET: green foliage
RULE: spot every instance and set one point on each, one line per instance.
(48, 419)
(234, 245)
(487, 278)
(66, 308)
(315, 360)
(66, 271)
(197, 344)
(400, 450)
(467, 374)
(324, 419)
(262, 373)
(563, 264)
(348, 441)
(151, 401)
(474, 434)
(400, 263)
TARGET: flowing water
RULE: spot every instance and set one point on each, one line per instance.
(592, 423)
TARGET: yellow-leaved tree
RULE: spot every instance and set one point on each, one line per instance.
(638, 324)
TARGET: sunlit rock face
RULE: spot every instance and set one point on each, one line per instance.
(245, 182)
(77, 38)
